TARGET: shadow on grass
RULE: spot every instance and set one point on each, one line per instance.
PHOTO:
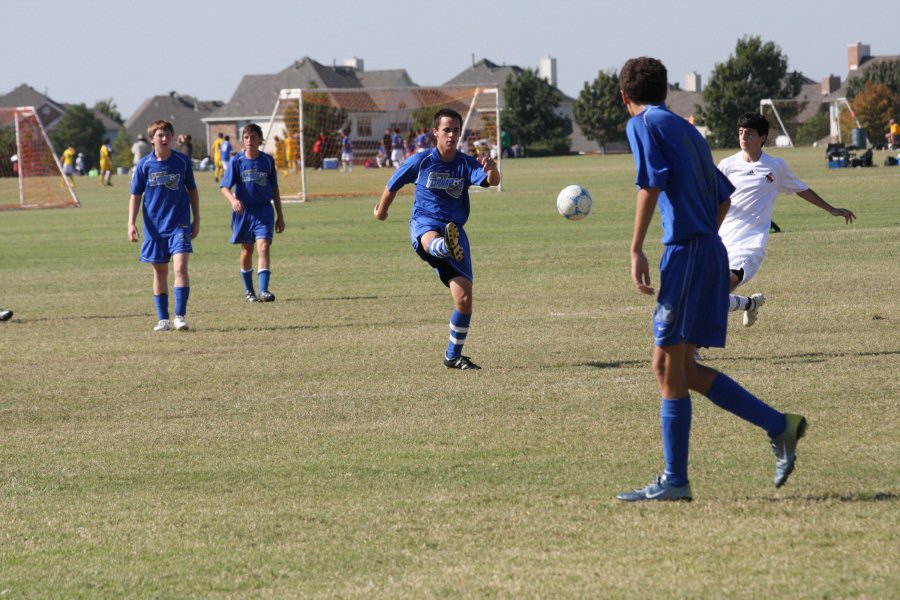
(858, 497)
(803, 357)
(615, 364)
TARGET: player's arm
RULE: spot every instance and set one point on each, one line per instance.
(640, 268)
(816, 200)
(279, 215)
(490, 167)
(236, 205)
(723, 210)
(194, 197)
(381, 209)
(133, 202)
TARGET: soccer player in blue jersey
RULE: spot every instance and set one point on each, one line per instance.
(254, 177)
(675, 171)
(442, 177)
(164, 182)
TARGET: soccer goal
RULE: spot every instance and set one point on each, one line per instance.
(307, 126)
(30, 173)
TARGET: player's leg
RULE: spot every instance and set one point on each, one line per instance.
(182, 289)
(444, 244)
(461, 292)
(161, 295)
(263, 247)
(246, 261)
(743, 268)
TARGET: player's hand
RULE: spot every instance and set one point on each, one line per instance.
(380, 213)
(487, 163)
(640, 273)
(132, 234)
(279, 224)
(237, 206)
(843, 212)
(195, 228)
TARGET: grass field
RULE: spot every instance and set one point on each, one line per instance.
(316, 446)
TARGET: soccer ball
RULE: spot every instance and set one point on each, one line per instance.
(574, 202)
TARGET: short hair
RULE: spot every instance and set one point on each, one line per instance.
(644, 80)
(755, 121)
(157, 125)
(251, 128)
(446, 112)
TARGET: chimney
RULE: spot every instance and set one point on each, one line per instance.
(547, 70)
(857, 54)
(830, 84)
(692, 82)
(354, 63)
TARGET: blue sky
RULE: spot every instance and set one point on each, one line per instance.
(88, 50)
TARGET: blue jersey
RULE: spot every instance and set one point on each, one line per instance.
(164, 185)
(225, 151)
(671, 155)
(253, 180)
(442, 188)
(346, 144)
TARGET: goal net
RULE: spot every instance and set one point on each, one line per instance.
(306, 131)
(30, 173)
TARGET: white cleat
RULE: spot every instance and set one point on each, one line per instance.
(163, 325)
(757, 300)
(181, 324)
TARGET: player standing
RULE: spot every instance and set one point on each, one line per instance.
(442, 178)
(254, 177)
(675, 170)
(758, 179)
(164, 180)
(106, 163)
(218, 171)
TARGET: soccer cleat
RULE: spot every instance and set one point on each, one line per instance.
(163, 325)
(785, 447)
(658, 489)
(181, 324)
(251, 297)
(460, 362)
(756, 301)
(5, 315)
(451, 238)
(266, 296)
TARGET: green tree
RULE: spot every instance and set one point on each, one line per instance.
(80, 129)
(887, 73)
(121, 150)
(814, 129)
(598, 111)
(7, 149)
(530, 114)
(108, 107)
(757, 70)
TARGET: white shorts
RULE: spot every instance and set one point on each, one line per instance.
(347, 156)
(397, 156)
(750, 263)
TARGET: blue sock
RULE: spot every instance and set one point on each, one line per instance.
(247, 276)
(264, 275)
(728, 394)
(162, 306)
(181, 298)
(438, 248)
(459, 329)
(676, 436)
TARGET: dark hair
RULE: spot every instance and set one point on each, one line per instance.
(752, 120)
(251, 128)
(446, 112)
(644, 80)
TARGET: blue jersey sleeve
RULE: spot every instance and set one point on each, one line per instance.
(189, 182)
(477, 174)
(650, 164)
(233, 167)
(273, 172)
(407, 173)
(139, 179)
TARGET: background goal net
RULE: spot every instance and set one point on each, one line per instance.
(30, 173)
(307, 127)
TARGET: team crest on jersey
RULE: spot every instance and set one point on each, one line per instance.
(442, 181)
(169, 180)
(260, 178)
(770, 178)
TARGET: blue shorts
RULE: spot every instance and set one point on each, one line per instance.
(692, 305)
(161, 250)
(257, 222)
(446, 268)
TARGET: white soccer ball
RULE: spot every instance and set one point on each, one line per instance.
(574, 202)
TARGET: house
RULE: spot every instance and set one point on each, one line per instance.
(185, 113)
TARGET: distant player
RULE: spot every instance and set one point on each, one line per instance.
(346, 152)
(758, 179)
(68, 164)
(290, 152)
(675, 170)
(164, 181)
(442, 178)
(106, 163)
(254, 178)
(225, 150)
(218, 168)
(397, 146)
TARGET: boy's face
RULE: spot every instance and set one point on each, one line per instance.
(251, 141)
(447, 133)
(750, 140)
(161, 140)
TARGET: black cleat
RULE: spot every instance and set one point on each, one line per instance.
(266, 296)
(251, 297)
(5, 315)
(460, 362)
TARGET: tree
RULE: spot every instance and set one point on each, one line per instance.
(530, 114)
(756, 71)
(814, 129)
(121, 150)
(598, 111)
(108, 107)
(80, 129)
(874, 107)
(887, 73)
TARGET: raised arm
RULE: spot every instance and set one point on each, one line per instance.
(816, 200)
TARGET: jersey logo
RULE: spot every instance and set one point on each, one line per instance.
(770, 178)
(443, 181)
(169, 180)
(750, 172)
(260, 178)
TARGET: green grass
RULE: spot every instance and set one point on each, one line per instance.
(317, 447)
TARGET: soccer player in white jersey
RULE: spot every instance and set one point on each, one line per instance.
(758, 179)
(442, 177)
(163, 182)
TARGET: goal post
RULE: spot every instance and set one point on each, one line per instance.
(307, 126)
(31, 175)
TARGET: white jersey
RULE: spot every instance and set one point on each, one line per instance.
(757, 184)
